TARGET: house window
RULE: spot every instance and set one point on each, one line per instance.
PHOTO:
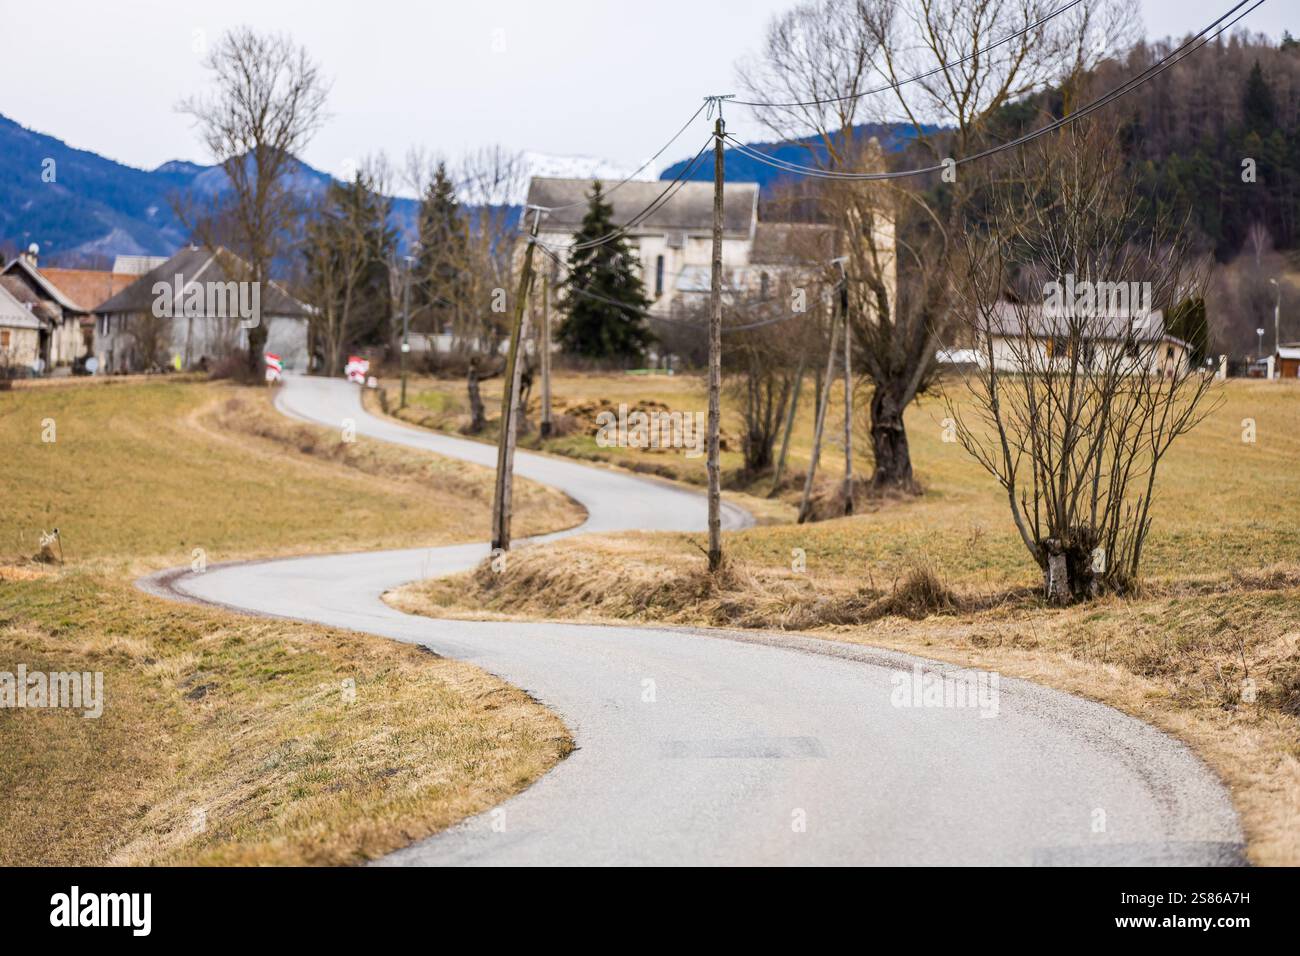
(659, 276)
(762, 286)
(4, 338)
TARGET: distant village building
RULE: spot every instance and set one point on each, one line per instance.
(137, 265)
(1288, 360)
(20, 336)
(1025, 337)
(58, 339)
(674, 244)
(194, 309)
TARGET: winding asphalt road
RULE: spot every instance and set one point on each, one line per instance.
(720, 748)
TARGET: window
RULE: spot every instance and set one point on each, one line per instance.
(659, 276)
(4, 338)
(763, 286)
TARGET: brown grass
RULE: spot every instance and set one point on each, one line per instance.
(240, 717)
(246, 720)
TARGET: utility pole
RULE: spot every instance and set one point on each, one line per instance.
(406, 326)
(823, 401)
(506, 441)
(546, 355)
(848, 391)
(715, 347)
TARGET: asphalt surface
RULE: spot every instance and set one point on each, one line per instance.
(720, 748)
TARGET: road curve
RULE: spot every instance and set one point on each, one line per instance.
(717, 748)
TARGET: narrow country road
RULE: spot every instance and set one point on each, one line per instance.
(713, 748)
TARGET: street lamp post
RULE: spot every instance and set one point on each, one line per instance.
(1277, 311)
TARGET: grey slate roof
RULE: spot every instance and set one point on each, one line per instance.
(14, 314)
(30, 298)
(690, 209)
(791, 243)
(20, 266)
(198, 264)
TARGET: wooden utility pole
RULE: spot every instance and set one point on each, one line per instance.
(715, 350)
(406, 326)
(825, 400)
(789, 424)
(506, 442)
(546, 356)
(848, 397)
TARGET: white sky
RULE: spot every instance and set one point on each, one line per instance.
(608, 78)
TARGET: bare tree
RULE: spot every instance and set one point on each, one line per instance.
(150, 336)
(818, 69)
(1080, 391)
(489, 182)
(761, 367)
(268, 101)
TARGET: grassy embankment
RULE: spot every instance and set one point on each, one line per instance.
(944, 575)
(228, 739)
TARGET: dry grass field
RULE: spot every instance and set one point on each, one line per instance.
(230, 739)
(1209, 650)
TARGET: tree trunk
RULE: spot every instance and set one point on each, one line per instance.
(889, 443)
(1057, 574)
(256, 346)
(477, 414)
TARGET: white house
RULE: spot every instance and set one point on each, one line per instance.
(20, 336)
(674, 243)
(1024, 337)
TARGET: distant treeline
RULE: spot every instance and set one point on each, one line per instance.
(1230, 108)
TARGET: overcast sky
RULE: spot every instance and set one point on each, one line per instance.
(607, 78)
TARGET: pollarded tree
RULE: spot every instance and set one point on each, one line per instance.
(1077, 399)
(830, 66)
(603, 297)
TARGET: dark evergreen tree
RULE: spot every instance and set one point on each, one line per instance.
(364, 211)
(439, 289)
(1258, 107)
(603, 297)
(1187, 321)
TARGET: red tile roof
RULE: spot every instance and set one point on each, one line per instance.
(88, 287)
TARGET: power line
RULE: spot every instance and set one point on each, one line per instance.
(640, 169)
(1127, 87)
(920, 76)
(654, 205)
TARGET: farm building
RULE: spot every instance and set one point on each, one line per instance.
(192, 310)
(60, 337)
(1026, 336)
